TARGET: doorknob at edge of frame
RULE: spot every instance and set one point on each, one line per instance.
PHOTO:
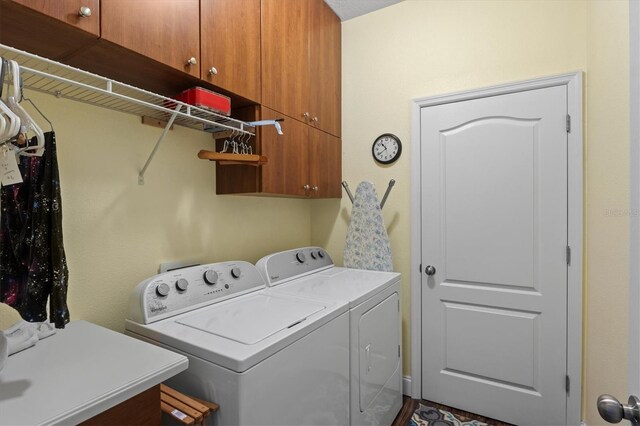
(613, 411)
(430, 270)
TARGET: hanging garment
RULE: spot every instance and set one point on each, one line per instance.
(367, 245)
(33, 266)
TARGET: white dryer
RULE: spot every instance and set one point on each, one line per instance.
(374, 330)
(265, 358)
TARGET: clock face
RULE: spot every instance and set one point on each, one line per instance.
(386, 148)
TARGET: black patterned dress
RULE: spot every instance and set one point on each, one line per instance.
(33, 266)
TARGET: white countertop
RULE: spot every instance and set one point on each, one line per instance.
(78, 373)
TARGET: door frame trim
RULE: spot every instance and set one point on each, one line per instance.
(634, 198)
(573, 82)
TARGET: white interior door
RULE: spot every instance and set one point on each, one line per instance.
(494, 239)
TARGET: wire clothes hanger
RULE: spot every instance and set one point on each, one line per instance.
(27, 122)
(24, 98)
(10, 121)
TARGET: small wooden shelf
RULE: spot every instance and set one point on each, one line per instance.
(225, 159)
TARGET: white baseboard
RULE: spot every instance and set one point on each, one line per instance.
(406, 386)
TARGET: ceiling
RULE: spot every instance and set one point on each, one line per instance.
(347, 9)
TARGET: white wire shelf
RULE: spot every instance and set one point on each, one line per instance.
(63, 81)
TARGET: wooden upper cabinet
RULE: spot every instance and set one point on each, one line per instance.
(165, 30)
(287, 172)
(82, 14)
(230, 40)
(301, 62)
(53, 29)
(325, 165)
(326, 68)
(285, 57)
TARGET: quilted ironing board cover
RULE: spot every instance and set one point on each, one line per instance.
(367, 245)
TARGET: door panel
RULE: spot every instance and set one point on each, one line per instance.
(287, 171)
(378, 348)
(489, 331)
(69, 11)
(285, 56)
(167, 31)
(230, 40)
(326, 66)
(494, 226)
(500, 252)
(53, 29)
(325, 165)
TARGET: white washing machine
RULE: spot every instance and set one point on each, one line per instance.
(374, 330)
(265, 358)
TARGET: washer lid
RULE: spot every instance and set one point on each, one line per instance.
(252, 319)
(351, 285)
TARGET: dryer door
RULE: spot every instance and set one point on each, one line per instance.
(379, 349)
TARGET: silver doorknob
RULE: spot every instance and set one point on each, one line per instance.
(314, 119)
(192, 61)
(213, 71)
(84, 12)
(315, 188)
(613, 411)
(306, 115)
(306, 187)
(430, 270)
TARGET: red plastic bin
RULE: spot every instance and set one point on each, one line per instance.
(202, 98)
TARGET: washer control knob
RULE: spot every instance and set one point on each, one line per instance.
(182, 284)
(300, 257)
(210, 277)
(162, 289)
(321, 254)
(314, 254)
(235, 273)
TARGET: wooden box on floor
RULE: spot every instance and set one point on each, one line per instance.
(184, 409)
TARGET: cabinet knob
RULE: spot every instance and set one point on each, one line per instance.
(192, 61)
(84, 12)
(314, 119)
(315, 188)
(306, 187)
(306, 115)
(213, 71)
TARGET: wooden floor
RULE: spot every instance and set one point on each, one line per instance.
(410, 405)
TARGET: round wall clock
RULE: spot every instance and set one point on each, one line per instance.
(386, 148)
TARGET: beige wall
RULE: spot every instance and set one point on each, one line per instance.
(420, 48)
(607, 203)
(116, 232)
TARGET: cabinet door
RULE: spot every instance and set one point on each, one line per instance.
(287, 171)
(69, 11)
(325, 164)
(165, 30)
(285, 57)
(326, 68)
(53, 29)
(230, 37)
